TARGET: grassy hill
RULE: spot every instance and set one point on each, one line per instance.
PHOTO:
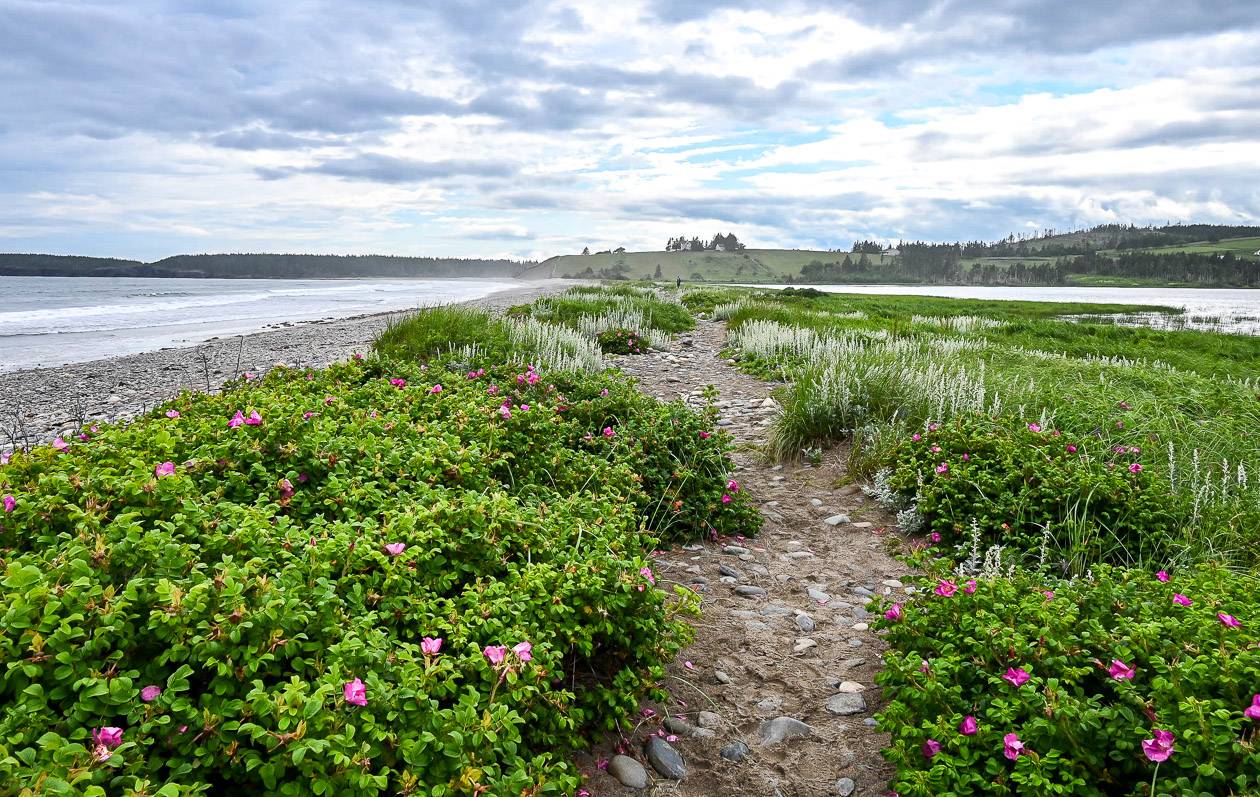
(1246, 248)
(749, 265)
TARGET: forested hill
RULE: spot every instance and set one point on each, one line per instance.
(259, 266)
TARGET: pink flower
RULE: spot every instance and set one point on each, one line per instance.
(935, 536)
(9, 503)
(101, 753)
(726, 498)
(355, 692)
(704, 435)
(1121, 671)
(604, 392)
(946, 589)
(968, 726)
(1228, 620)
(398, 383)
(936, 449)
(1159, 748)
(395, 548)
(357, 357)
(4, 457)
(932, 427)
(522, 651)
(430, 646)
(971, 586)
(930, 748)
(183, 729)
(689, 665)
(1034, 427)
(893, 613)
(328, 400)
(306, 416)
(286, 488)
(1049, 595)
(646, 572)
(254, 419)
(1135, 467)
(524, 408)
(505, 413)
(1071, 449)
(733, 486)
(601, 764)
(495, 653)
(150, 693)
(608, 432)
(248, 376)
(1016, 677)
(1012, 747)
(1182, 600)
(942, 468)
(172, 413)
(1253, 711)
(108, 737)
(59, 444)
(966, 457)
(164, 469)
(1162, 575)
(916, 437)
(435, 389)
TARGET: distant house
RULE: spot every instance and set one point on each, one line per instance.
(891, 252)
(719, 247)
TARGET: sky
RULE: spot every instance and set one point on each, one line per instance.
(147, 128)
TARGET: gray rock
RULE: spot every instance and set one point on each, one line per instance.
(775, 610)
(734, 549)
(628, 772)
(845, 787)
(863, 591)
(749, 591)
(846, 703)
(735, 751)
(818, 595)
(769, 705)
(803, 644)
(805, 623)
(871, 722)
(836, 520)
(721, 677)
(815, 502)
(680, 726)
(729, 571)
(860, 612)
(665, 759)
(782, 728)
(708, 719)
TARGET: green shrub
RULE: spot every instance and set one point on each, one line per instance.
(1081, 721)
(620, 341)
(1025, 487)
(250, 574)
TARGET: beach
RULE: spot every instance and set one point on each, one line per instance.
(39, 404)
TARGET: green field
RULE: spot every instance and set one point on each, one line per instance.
(1238, 247)
(750, 265)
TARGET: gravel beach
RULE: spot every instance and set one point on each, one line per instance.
(38, 404)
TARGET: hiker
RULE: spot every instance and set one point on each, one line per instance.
(677, 282)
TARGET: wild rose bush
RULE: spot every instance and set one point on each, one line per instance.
(620, 341)
(377, 578)
(1086, 687)
(1014, 480)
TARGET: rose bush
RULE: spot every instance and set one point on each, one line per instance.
(387, 577)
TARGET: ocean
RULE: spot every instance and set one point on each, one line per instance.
(48, 321)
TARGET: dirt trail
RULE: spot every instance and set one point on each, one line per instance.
(782, 639)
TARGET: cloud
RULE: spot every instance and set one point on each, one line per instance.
(379, 168)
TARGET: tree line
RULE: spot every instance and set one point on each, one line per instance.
(726, 243)
(260, 266)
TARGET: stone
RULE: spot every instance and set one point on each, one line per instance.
(800, 555)
(860, 626)
(735, 751)
(850, 687)
(805, 623)
(680, 726)
(863, 524)
(769, 705)
(780, 729)
(665, 759)
(729, 571)
(846, 703)
(891, 582)
(708, 719)
(814, 502)
(628, 772)
(863, 591)
(845, 787)
(727, 580)
(818, 595)
(749, 591)
(775, 610)
(852, 664)
(760, 570)
(721, 677)
(836, 520)
(803, 644)
(736, 550)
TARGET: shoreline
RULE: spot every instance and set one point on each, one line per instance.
(38, 404)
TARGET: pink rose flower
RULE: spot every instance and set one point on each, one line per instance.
(930, 748)
(935, 536)
(172, 414)
(608, 432)
(1162, 575)
(646, 572)
(254, 419)
(59, 444)
(435, 389)
(1253, 711)
(355, 692)
(1034, 427)
(164, 469)
(946, 589)
(523, 651)
(1012, 747)
(971, 586)
(1228, 620)
(9, 503)
(395, 548)
(108, 737)
(968, 726)
(726, 498)
(1121, 671)
(495, 653)
(1182, 600)
(150, 693)
(1016, 676)
(1159, 748)
(430, 646)
(893, 613)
